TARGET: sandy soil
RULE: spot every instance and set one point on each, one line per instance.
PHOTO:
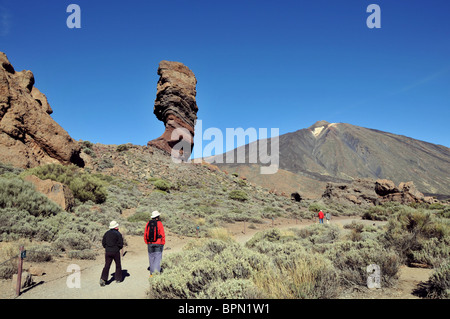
(53, 284)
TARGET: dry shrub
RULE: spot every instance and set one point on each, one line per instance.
(438, 286)
(221, 234)
(351, 259)
(419, 236)
(8, 268)
(201, 271)
(232, 289)
(305, 276)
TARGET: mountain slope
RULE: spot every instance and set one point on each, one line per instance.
(342, 152)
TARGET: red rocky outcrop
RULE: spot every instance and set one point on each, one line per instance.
(28, 135)
(176, 107)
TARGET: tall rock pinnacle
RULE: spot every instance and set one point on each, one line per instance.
(176, 107)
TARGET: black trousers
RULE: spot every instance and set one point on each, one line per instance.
(109, 257)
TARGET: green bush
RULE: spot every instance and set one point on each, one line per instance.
(20, 195)
(88, 187)
(384, 211)
(105, 163)
(238, 195)
(271, 235)
(40, 253)
(268, 268)
(83, 185)
(438, 286)
(351, 259)
(316, 207)
(8, 258)
(295, 270)
(72, 241)
(299, 276)
(231, 289)
(432, 252)
(7, 270)
(122, 148)
(418, 236)
(162, 185)
(271, 212)
(82, 254)
(87, 144)
(317, 234)
(8, 169)
(200, 271)
(143, 216)
(241, 182)
(436, 206)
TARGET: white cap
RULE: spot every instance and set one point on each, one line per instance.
(155, 214)
(113, 224)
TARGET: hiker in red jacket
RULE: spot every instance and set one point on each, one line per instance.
(155, 239)
(320, 217)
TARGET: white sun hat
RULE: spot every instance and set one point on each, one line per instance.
(113, 224)
(155, 214)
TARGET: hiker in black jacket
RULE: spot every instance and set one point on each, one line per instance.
(113, 243)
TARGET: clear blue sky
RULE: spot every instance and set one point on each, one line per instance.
(262, 64)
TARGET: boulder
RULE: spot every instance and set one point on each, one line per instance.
(176, 107)
(296, 197)
(411, 189)
(25, 282)
(360, 191)
(384, 187)
(36, 271)
(28, 135)
(55, 191)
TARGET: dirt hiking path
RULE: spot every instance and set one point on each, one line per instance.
(53, 284)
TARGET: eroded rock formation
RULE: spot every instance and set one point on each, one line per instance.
(176, 107)
(55, 191)
(28, 135)
(374, 192)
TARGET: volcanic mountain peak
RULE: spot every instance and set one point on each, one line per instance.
(341, 152)
(319, 126)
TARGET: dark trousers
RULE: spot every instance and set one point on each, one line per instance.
(109, 257)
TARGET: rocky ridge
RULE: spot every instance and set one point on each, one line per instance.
(370, 192)
(28, 135)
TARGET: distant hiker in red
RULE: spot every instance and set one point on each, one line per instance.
(320, 217)
(112, 242)
(155, 239)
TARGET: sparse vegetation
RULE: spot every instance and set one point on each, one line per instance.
(16, 194)
(123, 148)
(87, 148)
(83, 185)
(319, 261)
(419, 236)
